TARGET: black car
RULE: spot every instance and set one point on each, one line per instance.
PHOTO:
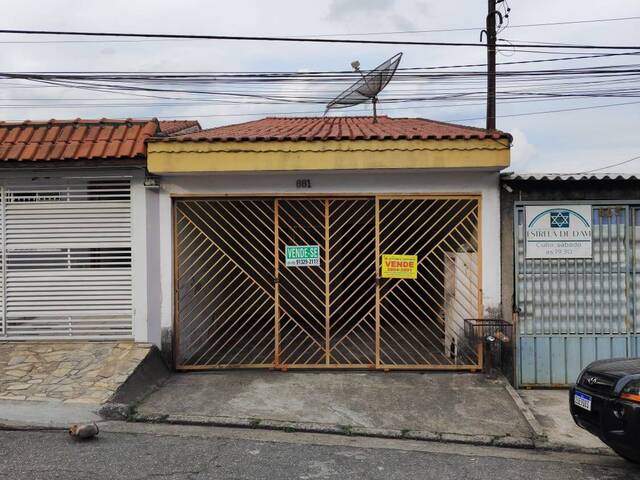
(606, 402)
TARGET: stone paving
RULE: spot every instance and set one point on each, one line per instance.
(71, 372)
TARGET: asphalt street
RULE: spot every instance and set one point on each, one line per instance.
(136, 451)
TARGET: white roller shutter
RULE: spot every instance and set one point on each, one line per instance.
(2, 265)
(67, 253)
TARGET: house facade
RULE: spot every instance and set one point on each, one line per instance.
(73, 237)
(570, 266)
(326, 243)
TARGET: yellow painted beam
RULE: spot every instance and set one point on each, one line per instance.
(195, 157)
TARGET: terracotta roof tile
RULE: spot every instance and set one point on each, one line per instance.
(84, 139)
(42, 150)
(56, 151)
(336, 128)
(179, 127)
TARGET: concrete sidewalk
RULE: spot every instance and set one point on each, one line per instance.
(44, 414)
(54, 384)
(468, 408)
(551, 409)
(447, 407)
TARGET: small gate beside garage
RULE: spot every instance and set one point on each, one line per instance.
(65, 255)
(574, 311)
(240, 304)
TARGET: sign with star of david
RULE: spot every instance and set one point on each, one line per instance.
(558, 231)
(559, 218)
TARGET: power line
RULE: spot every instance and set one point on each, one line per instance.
(209, 103)
(318, 72)
(454, 120)
(306, 39)
(549, 111)
(318, 88)
(416, 72)
(351, 34)
(385, 109)
(573, 22)
(611, 166)
(398, 108)
(404, 73)
(468, 29)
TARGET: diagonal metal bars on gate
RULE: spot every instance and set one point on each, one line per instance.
(225, 299)
(352, 285)
(302, 290)
(422, 320)
(238, 304)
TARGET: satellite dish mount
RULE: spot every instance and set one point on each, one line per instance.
(368, 87)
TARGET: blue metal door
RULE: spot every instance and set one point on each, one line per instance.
(574, 311)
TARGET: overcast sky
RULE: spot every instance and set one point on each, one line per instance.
(559, 142)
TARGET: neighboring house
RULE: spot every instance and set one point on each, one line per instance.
(73, 236)
(325, 243)
(571, 271)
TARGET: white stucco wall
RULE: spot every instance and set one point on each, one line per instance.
(139, 222)
(154, 264)
(485, 183)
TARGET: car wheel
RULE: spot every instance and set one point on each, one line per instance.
(627, 458)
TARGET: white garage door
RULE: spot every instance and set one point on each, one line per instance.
(66, 258)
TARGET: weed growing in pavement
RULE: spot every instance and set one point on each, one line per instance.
(254, 422)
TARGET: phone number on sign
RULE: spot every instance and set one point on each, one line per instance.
(303, 262)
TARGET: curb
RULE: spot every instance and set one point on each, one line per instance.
(565, 448)
(11, 426)
(540, 439)
(21, 427)
(528, 415)
(348, 430)
(506, 441)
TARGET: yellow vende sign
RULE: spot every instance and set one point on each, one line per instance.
(399, 266)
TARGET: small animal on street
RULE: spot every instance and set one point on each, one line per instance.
(84, 431)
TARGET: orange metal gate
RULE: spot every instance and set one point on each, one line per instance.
(239, 305)
(224, 287)
(326, 314)
(422, 320)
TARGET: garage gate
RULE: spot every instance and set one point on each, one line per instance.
(65, 258)
(239, 305)
(572, 312)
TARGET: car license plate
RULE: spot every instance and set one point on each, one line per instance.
(582, 400)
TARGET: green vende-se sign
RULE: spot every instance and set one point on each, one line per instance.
(302, 256)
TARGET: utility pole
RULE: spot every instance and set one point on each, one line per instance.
(491, 64)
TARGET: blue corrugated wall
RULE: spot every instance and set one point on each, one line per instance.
(557, 360)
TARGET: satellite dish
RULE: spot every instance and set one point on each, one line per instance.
(368, 87)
